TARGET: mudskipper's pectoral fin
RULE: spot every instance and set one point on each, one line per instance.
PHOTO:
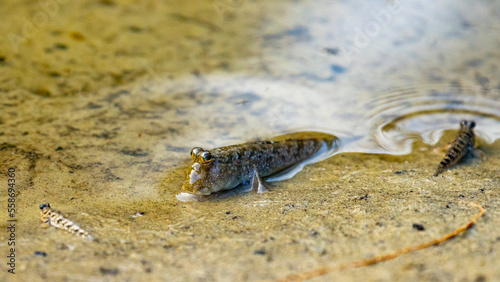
(257, 183)
(476, 153)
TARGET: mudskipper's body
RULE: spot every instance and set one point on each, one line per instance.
(245, 165)
(54, 218)
(463, 143)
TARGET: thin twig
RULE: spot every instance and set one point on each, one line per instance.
(324, 270)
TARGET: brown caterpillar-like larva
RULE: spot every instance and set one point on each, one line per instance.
(54, 218)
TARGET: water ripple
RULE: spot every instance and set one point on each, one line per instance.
(402, 116)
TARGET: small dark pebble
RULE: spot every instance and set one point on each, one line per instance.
(70, 171)
(186, 227)
(228, 212)
(401, 171)
(332, 51)
(461, 196)
(260, 251)
(108, 271)
(482, 190)
(59, 148)
(235, 217)
(350, 181)
(419, 227)
(365, 197)
(25, 133)
(42, 254)
(314, 233)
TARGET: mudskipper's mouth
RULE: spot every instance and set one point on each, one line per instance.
(188, 195)
(193, 189)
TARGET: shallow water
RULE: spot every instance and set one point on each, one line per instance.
(388, 124)
(103, 102)
(397, 119)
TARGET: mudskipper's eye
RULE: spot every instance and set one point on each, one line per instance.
(472, 124)
(195, 152)
(463, 123)
(206, 157)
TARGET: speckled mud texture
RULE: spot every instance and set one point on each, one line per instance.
(102, 101)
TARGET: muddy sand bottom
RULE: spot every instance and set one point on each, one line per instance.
(346, 208)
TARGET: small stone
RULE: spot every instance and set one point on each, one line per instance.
(314, 233)
(42, 254)
(418, 226)
(261, 251)
(109, 271)
(332, 51)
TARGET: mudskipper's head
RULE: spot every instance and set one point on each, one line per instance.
(198, 180)
(467, 125)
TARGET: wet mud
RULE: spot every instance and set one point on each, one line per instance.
(102, 102)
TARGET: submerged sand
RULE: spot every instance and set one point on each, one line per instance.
(102, 103)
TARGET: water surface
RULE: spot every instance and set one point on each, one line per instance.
(102, 102)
